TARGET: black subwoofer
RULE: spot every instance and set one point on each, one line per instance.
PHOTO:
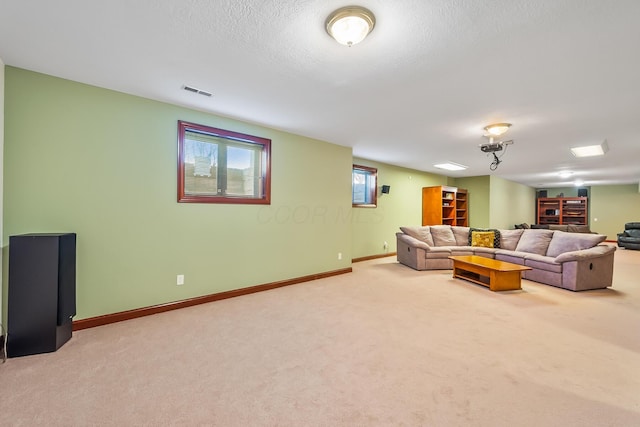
(42, 292)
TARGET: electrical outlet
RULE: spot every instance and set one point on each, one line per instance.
(339, 255)
(385, 246)
(180, 279)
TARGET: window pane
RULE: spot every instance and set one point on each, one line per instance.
(200, 165)
(243, 172)
(359, 187)
(219, 166)
(364, 186)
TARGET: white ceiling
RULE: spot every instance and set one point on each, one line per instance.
(416, 92)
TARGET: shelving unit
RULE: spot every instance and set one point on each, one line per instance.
(574, 211)
(443, 205)
(563, 210)
(462, 213)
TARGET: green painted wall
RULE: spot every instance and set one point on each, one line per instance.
(611, 206)
(402, 206)
(498, 203)
(479, 194)
(103, 164)
(511, 203)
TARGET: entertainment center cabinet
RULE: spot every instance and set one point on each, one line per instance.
(563, 210)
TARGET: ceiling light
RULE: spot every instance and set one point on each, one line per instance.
(497, 129)
(450, 166)
(591, 150)
(350, 25)
(578, 183)
(565, 174)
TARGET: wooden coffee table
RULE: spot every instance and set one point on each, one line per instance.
(494, 274)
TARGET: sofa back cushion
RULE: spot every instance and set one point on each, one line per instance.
(578, 228)
(535, 241)
(632, 232)
(421, 233)
(540, 226)
(461, 235)
(443, 235)
(558, 227)
(509, 239)
(567, 242)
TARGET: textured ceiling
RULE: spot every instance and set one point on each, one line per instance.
(416, 92)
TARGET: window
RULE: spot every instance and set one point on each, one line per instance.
(364, 186)
(221, 166)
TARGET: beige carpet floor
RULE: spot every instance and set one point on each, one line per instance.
(382, 346)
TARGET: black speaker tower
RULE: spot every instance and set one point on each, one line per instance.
(42, 292)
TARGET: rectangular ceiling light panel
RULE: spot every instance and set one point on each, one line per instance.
(591, 150)
(450, 166)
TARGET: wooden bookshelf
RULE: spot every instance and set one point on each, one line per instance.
(443, 205)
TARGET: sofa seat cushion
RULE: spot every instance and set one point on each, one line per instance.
(630, 244)
(535, 241)
(486, 252)
(420, 233)
(541, 262)
(436, 252)
(511, 256)
(461, 250)
(628, 239)
(443, 235)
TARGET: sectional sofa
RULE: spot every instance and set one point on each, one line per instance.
(574, 261)
(572, 228)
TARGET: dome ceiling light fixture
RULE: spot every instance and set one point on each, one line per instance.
(497, 129)
(350, 25)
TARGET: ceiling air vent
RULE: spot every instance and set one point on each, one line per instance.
(196, 90)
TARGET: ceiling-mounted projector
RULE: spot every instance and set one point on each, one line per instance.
(492, 147)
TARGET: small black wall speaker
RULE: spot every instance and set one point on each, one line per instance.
(582, 192)
(386, 189)
(542, 193)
